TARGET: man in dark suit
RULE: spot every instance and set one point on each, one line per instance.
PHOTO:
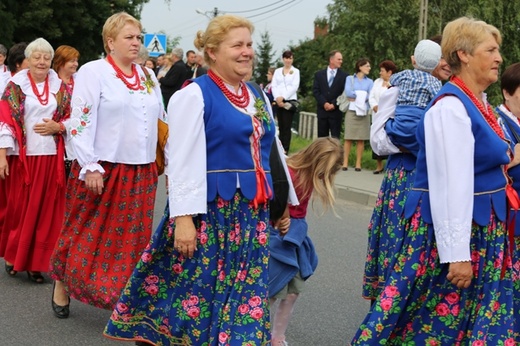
(175, 77)
(328, 85)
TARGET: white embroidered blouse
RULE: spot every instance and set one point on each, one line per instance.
(110, 122)
(34, 113)
(285, 85)
(449, 156)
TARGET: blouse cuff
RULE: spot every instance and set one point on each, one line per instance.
(93, 167)
(186, 198)
(453, 243)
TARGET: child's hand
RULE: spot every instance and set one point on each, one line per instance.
(283, 225)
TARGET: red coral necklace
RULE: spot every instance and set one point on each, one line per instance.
(488, 114)
(240, 101)
(135, 85)
(44, 96)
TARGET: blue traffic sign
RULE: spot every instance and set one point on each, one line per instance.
(155, 44)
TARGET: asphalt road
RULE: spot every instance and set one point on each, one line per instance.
(326, 314)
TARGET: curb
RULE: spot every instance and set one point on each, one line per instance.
(359, 196)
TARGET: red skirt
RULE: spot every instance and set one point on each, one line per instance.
(34, 213)
(103, 236)
(5, 188)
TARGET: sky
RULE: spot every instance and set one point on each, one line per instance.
(287, 21)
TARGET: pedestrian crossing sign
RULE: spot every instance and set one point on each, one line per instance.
(155, 44)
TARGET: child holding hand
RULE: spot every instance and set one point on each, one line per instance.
(293, 259)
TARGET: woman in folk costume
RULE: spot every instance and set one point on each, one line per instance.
(16, 62)
(451, 283)
(111, 189)
(35, 109)
(203, 278)
(509, 114)
(65, 63)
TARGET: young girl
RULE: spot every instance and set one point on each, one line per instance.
(293, 259)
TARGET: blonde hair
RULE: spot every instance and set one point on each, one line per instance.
(114, 24)
(316, 167)
(216, 33)
(464, 34)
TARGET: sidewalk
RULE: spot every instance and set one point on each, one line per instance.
(359, 187)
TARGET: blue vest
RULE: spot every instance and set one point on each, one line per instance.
(490, 155)
(229, 143)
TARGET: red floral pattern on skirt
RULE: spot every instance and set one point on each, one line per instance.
(104, 235)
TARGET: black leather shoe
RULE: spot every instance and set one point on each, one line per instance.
(59, 311)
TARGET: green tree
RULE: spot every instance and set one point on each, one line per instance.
(76, 23)
(377, 31)
(264, 58)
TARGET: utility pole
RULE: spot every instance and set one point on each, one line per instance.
(423, 19)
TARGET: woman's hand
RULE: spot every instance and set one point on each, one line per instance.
(460, 274)
(94, 182)
(516, 158)
(185, 236)
(4, 166)
(47, 128)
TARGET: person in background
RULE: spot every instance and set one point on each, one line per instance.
(142, 56)
(417, 88)
(3, 55)
(357, 123)
(191, 62)
(385, 231)
(292, 256)
(16, 61)
(65, 63)
(328, 86)
(165, 67)
(285, 84)
(34, 114)
(386, 69)
(268, 89)
(209, 256)
(151, 64)
(111, 189)
(452, 281)
(200, 67)
(160, 65)
(175, 77)
(509, 115)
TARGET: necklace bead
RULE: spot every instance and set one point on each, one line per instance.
(135, 85)
(487, 113)
(240, 101)
(43, 98)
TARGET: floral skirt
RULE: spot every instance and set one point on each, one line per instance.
(419, 306)
(217, 297)
(516, 283)
(103, 236)
(34, 213)
(385, 232)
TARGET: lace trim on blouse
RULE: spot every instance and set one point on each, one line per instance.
(451, 237)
